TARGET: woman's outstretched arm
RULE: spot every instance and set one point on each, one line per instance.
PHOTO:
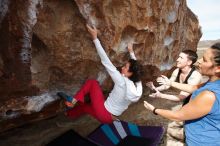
(111, 69)
(196, 108)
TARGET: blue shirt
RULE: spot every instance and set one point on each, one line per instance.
(205, 131)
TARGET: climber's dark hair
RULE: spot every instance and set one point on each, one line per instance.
(136, 69)
(191, 55)
(216, 48)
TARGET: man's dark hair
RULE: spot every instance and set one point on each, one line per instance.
(136, 69)
(216, 47)
(191, 55)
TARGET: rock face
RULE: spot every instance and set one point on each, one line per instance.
(45, 46)
(17, 21)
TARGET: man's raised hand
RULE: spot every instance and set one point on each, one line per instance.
(163, 80)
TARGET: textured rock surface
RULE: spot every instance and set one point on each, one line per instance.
(45, 47)
(159, 30)
(17, 21)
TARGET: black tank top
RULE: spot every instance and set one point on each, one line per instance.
(186, 100)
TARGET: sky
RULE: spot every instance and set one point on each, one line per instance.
(208, 12)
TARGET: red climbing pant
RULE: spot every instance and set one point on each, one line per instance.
(95, 108)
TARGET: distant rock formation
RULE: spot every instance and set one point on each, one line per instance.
(45, 46)
(207, 43)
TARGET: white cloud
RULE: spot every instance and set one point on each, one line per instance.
(208, 14)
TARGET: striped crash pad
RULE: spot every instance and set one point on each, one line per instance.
(122, 133)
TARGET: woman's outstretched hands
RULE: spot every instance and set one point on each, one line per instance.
(93, 31)
(163, 80)
(148, 106)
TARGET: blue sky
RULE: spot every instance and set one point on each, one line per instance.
(208, 12)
